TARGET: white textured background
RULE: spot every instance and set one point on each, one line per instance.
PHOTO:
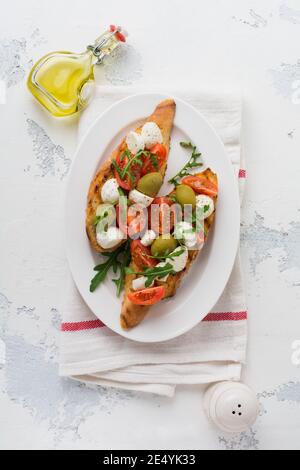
(253, 45)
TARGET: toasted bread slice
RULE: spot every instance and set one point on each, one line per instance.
(131, 314)
(163, 116)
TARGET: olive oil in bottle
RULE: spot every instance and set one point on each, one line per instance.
(63, 82)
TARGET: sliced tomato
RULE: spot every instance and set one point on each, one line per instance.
(159, 150)
(132, 220)
(161, 217)
(155, 162)
(201, 185)
(141, 255)
(131, 179)
(147, 296)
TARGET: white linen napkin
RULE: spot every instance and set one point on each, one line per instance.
(212, 351)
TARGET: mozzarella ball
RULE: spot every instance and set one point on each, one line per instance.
(110, 191)
(139, 283)
(135, 142)
(184, 231)
(140, 198)
(151, 134)
(107, 216)
(179, 262)
(111, 238)
(205, 203)
(148, 238)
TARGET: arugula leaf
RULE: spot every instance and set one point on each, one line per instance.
(187, 145)
(170, 256)
(192, 163)
(119, 282)
(124, 171)
(126, 153)
(117, 261)
(139, 162)
(154, 160)
(101, 275)
(149, 282)
(117, 167)
(206, 208)
(173, 198)
(152, 273)
(156, 271)
(136, 159)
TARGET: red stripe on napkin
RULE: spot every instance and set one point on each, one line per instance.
(82, 325)
(242, 174)
(226, 316)
(93, 324)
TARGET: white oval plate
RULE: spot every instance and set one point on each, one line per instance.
(205, 282)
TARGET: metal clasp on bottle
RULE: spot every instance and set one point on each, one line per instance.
(97, 50)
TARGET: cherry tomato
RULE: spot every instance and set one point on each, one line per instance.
(147, 296)
(132, 220)
(127, 182)
(201, 185)
(160, 215)
(141, 255)
(152, 164)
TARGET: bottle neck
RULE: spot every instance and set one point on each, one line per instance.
(104, 45)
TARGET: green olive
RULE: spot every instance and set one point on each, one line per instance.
(185, 195)
(163, 246)
(150, 184)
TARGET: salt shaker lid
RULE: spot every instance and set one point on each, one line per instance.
(232, 406)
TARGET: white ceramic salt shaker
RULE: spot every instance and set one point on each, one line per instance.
(232, 406)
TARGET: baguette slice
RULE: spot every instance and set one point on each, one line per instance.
(131, 314)
(163, 116)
